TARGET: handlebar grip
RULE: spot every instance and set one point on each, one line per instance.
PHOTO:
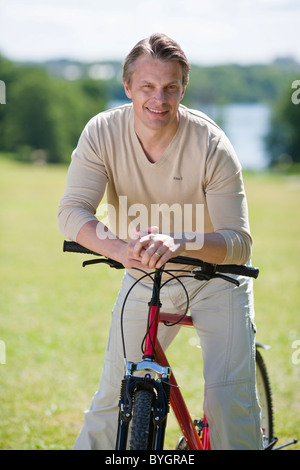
(247, 271)
(74, 247)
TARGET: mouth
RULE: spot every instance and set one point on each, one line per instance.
(157, 112)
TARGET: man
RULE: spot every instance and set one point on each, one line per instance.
(157, 153)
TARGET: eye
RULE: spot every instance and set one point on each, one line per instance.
(172, 88)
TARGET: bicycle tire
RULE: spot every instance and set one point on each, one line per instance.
(142, 420)
(265, 399)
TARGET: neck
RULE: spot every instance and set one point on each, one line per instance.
(155, 141)
(154, 147)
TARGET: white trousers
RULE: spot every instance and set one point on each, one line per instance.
(223, 316)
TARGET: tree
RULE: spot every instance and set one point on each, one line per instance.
(47, 114)
(7, 75)
(283, 139)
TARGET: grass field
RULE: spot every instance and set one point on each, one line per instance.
(55, 315)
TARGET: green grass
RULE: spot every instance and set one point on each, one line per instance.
(55, 315)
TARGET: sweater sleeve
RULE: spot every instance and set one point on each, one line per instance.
(86, 183)
(226, 201)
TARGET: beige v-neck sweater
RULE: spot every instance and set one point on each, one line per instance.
(198, 169)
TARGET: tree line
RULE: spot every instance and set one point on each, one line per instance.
(45, 110)
(44, 115)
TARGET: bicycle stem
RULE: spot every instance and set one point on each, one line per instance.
(153, 317)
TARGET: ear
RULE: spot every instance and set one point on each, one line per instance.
(127, 90)
(183, 92)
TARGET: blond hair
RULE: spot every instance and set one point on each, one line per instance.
(158, 46)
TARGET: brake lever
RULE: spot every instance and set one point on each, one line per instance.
(227, 278)
(203, 276)
(111, 263)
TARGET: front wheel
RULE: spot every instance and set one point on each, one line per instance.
(142, 421)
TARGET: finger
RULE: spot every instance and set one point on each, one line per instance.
(154, 256)
(162, 260)
(135, 251)
(141, 244)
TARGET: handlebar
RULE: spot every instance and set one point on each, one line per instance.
(209, 268)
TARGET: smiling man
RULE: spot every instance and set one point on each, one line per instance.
(156, 89)
(154, 153)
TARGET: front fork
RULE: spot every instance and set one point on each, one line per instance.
(150, 368)
(161, 391)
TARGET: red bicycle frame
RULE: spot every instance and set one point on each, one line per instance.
(152, 347)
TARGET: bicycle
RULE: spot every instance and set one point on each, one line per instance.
(145, 400)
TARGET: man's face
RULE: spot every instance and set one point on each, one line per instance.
(155, 90)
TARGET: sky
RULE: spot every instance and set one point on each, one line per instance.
(210, 32)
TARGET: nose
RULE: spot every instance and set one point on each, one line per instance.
(159, 95)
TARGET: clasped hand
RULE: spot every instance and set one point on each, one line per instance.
(151, 249)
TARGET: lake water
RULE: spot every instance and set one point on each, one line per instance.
(246, 125)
